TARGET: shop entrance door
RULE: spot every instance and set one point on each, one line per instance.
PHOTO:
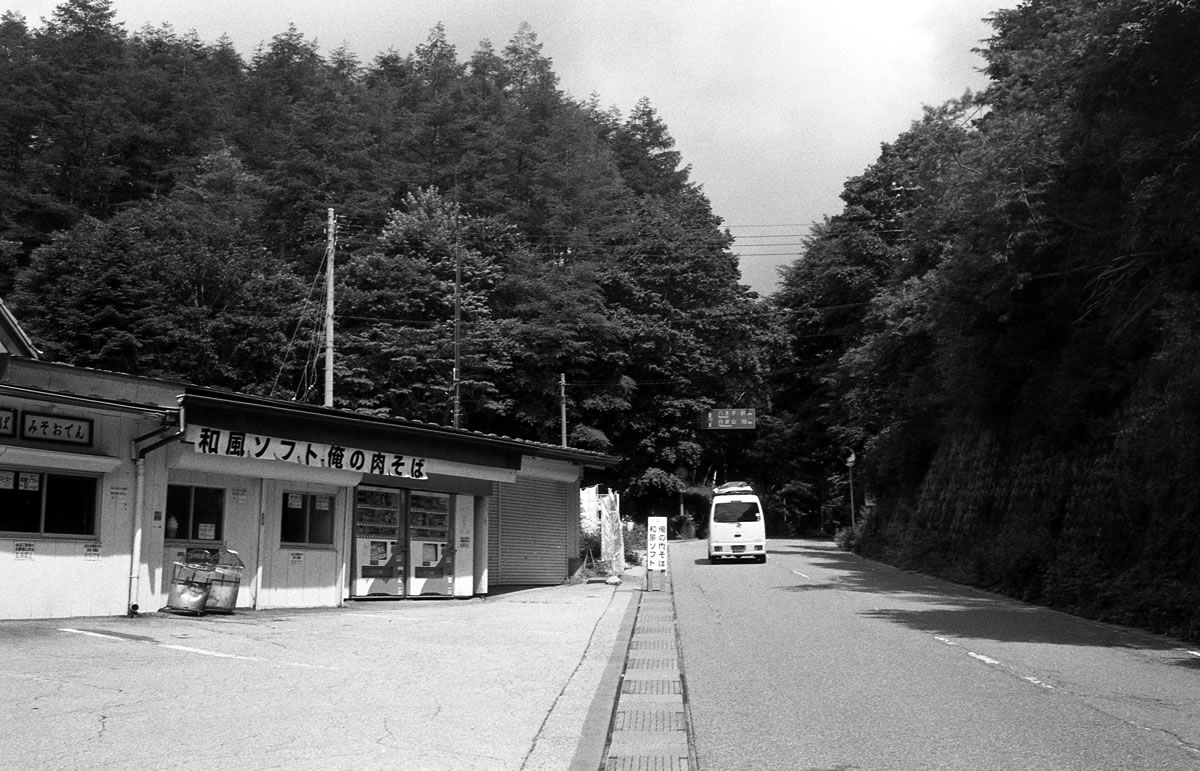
(378, 568)
(430, 570)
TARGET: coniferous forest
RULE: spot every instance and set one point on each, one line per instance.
(1002, 323)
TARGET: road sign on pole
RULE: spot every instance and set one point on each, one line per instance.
(731, 418)
(656, 552)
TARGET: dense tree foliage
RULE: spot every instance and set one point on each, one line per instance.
(1002, 320)
(1002, 323)
(164, 206)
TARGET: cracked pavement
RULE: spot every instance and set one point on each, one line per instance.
(500, 683)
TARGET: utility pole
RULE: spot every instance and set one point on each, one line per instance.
(562, 400)
(330, 247)
(457, 325)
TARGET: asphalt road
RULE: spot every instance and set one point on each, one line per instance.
(819, 659)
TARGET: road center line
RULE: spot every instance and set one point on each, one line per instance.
(989, 660)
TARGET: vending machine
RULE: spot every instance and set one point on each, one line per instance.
(379, 568)
(428, 544)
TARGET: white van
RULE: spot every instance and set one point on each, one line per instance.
(735, 524)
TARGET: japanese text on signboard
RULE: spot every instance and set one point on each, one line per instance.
(656, 543)
(56, 428)
(239, 444)
(729, 418)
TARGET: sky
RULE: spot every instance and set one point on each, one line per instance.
(773, 103)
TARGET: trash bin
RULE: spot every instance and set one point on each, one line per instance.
(226, 580)
(191, 585)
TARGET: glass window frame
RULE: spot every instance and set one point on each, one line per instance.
(91, 512)
(190, 526)
(308, 508)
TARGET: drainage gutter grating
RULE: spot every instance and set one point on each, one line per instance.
(649, 728)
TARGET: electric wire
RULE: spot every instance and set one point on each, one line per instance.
(305, 310)
(364, 235)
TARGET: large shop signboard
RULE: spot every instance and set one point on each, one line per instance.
(239, 444)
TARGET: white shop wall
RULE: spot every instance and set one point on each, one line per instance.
(299, 577)
(56, 577)
(464, 545)
(240, 531)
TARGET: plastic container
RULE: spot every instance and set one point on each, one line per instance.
(191, 585)
(226, 580)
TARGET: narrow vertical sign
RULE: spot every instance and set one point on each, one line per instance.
(656, 543)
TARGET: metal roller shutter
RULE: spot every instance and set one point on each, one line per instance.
(531, 542)
(494, 535)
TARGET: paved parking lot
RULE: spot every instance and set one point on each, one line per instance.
(514, 681)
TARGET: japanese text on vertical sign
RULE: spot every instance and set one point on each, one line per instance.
(656, 543)
(239, 444)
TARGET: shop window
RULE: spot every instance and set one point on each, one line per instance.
(44, 503)
(195, 513)
(307, 519)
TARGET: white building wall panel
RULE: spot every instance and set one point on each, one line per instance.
(59, 577)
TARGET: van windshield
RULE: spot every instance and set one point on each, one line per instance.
(736, 511)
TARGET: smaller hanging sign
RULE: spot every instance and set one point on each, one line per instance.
(56, 428)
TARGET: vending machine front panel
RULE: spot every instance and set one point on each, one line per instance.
(429, 534)
(378, 543)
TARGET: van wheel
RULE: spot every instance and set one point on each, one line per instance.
(762, 558)
(713, 559)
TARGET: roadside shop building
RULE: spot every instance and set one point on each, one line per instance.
(107, 480)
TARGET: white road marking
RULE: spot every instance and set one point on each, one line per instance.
(203, 652)
(388, 616)
(797, 572)
(220, 655)
(95, 634)
(200, 651)
(1195, 653)
(990, 660)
